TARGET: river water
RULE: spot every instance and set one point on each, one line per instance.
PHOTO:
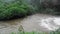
(36, 22)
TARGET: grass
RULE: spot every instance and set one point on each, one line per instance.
(35, 33)
(28, 33)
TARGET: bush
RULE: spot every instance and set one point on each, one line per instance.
(13, 10)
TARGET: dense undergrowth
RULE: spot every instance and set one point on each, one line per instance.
(47, 6)
(19, 8)
(14, 9)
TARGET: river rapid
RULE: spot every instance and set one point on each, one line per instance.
(36, 22)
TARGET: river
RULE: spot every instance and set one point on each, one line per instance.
(36, 22)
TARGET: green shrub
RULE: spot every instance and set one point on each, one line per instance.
(13, 10)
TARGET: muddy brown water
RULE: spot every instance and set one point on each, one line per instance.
(36, 22)
(6, 27)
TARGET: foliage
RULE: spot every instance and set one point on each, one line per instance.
(14, 9)
(35, 32)
(56, 32)
(28, 33)
(47, 6)
(19, 8)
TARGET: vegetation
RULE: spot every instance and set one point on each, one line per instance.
(28, 33)
(47, 6)
(14, 9)
(17, 9)
(58, 32)
(34, 32)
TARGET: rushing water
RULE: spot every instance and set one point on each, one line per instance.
(36, 22)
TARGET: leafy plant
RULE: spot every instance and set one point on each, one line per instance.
(14, 9)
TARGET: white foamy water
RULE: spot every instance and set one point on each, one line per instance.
(57, 21)
(41, 22)
(50, 23)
